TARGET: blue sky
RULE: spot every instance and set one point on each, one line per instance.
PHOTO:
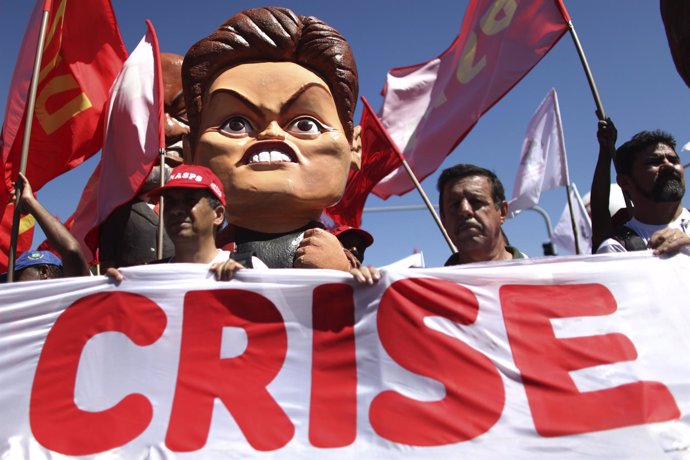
(624, 42)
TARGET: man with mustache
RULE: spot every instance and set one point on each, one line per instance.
(650, 171)
(473, 208)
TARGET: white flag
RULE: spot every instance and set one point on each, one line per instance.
(563, 233)
(542, 164)
(132, 141)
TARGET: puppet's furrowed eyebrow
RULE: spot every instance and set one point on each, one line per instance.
(239, 96)
(302, 90)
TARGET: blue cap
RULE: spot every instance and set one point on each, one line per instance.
(30, 258)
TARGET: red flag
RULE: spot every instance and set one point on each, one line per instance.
(134, 135)
(24, 240)
(379, 158)
(429, 108)
(82, 54)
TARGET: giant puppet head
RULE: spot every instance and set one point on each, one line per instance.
(270, 99)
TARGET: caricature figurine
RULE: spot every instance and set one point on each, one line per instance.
(270, 98)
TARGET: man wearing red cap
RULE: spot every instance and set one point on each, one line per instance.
(194, 210)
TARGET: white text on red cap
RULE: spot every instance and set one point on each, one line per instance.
(186, 175)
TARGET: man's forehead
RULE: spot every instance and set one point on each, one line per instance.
(470, 185)
(185, 192)
(659, 149)
(654, 153)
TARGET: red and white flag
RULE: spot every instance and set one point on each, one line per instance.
(543, 160)
(380, 156)
(25, 234)
(81, 57)
(429, 108)
(82, 54)
(133, 137)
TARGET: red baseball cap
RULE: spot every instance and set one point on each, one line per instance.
(362, 234)
(193, 176)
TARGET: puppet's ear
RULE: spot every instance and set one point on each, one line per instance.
(356, 149)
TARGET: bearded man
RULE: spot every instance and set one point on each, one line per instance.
(651, 173)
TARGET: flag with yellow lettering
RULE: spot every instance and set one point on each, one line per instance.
(24, 239)
(82, 54)
(429, 108)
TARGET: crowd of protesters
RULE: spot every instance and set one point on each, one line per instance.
(199, 225)
(472, 205)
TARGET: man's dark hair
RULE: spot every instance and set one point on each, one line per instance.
(272, 35)
(460, 171)
(213, 200)
(626, 153)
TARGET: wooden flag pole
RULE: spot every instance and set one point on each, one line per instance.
(566, 173)
(29, 117)
(595, 93)
(161, 207)
(588, 72)
(416, 183)
(160, 93)
(428, 204)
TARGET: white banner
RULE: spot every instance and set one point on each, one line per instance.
(556, 358)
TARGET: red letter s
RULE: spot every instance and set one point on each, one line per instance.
(474, 389)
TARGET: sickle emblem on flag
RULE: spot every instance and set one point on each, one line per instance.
(52, 120)
(489, 25)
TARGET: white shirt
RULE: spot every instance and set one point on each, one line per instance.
(645, 231)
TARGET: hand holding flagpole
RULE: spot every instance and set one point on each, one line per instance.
(27, 138)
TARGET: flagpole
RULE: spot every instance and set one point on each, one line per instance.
(595, 93)
(29, 116)
(567, 174)
(588, 72)
(161, 207)
(416, 183)
(160, 96)
(428, 204)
